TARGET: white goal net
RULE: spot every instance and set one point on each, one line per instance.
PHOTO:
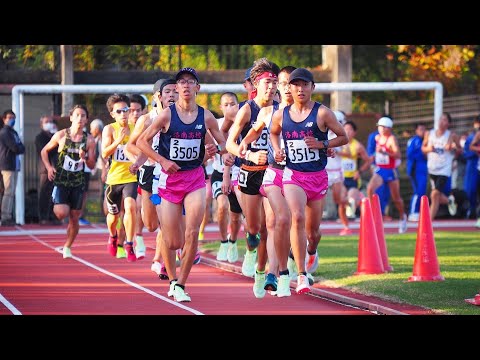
(19, 91)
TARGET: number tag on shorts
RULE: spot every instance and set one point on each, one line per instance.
(72, 165)
(268, 177)
(242, 178)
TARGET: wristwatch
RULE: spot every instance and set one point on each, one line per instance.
(325, 143)
(219, 149)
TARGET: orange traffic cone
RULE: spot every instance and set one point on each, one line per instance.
(474, 301)
(425, 267)
(369, 256)
(378, 220)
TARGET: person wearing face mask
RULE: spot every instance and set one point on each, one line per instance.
(10, 147)
(45, 204)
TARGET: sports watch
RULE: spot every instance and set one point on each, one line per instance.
(325, 143)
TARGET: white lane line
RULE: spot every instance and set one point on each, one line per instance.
(120, 278)
(9, 305)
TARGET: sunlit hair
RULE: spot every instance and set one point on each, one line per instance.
(261, 66)
(116, 98)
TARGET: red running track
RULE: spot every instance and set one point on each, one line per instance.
(36, 280)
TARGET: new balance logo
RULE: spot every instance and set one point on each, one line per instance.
(309, 124)
(198, 127)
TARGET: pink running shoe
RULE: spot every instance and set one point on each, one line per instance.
(345, 231)
(163, 272)
(112, 245)
(197, 258)
(128, 246)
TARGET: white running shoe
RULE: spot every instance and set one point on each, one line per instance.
(452, 206)
(67, 253)
(248, 266)
(232, 253)
(171, 290)
(303, 285)
(283, 287)
(222, 252)
(258, 287)
(414, 217)
(180, 295)
(312, 262)
(292, 268)
(156, 267)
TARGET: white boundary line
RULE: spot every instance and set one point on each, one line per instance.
(115, 276)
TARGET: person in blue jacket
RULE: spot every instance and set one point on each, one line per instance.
(471, 173)
(416, 170)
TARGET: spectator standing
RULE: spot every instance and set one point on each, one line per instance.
(416, 170)
(45, 204)
(10, 147)
(471, 173)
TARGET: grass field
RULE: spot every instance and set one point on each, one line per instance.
(458, 256)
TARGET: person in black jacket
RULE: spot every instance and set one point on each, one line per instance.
(10, 147)
(45, 204)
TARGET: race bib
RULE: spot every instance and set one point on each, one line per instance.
(119, 154)
(349, 164)
(184, 149)
(72, 165)
(262, 142)
(299, 152)
(382, 159)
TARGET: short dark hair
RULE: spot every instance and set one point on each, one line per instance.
(136, 98)
(78, 106)
(8, 112)
(352, 124)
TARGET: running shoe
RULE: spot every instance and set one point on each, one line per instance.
(477, 224)
(171, 288)
(163, 273)
(292, 268)
(345, 231)
(180, 295)
(283, 288)
(201, 236)
(112, 245)
(197, 258)
(223, 251)
(402, 224)
(121, 254)
(351, 209)
(258, 286)
(83, 221)
(312, 262)
(128, 246)
(270, 282)
(156, 267)
(67, 252)
(452, 206)
(310, 278)
(414, 217)
(232, 254)
(303, 285)
(140, 248)
(248, 265)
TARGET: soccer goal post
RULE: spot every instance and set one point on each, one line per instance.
(19, 91)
